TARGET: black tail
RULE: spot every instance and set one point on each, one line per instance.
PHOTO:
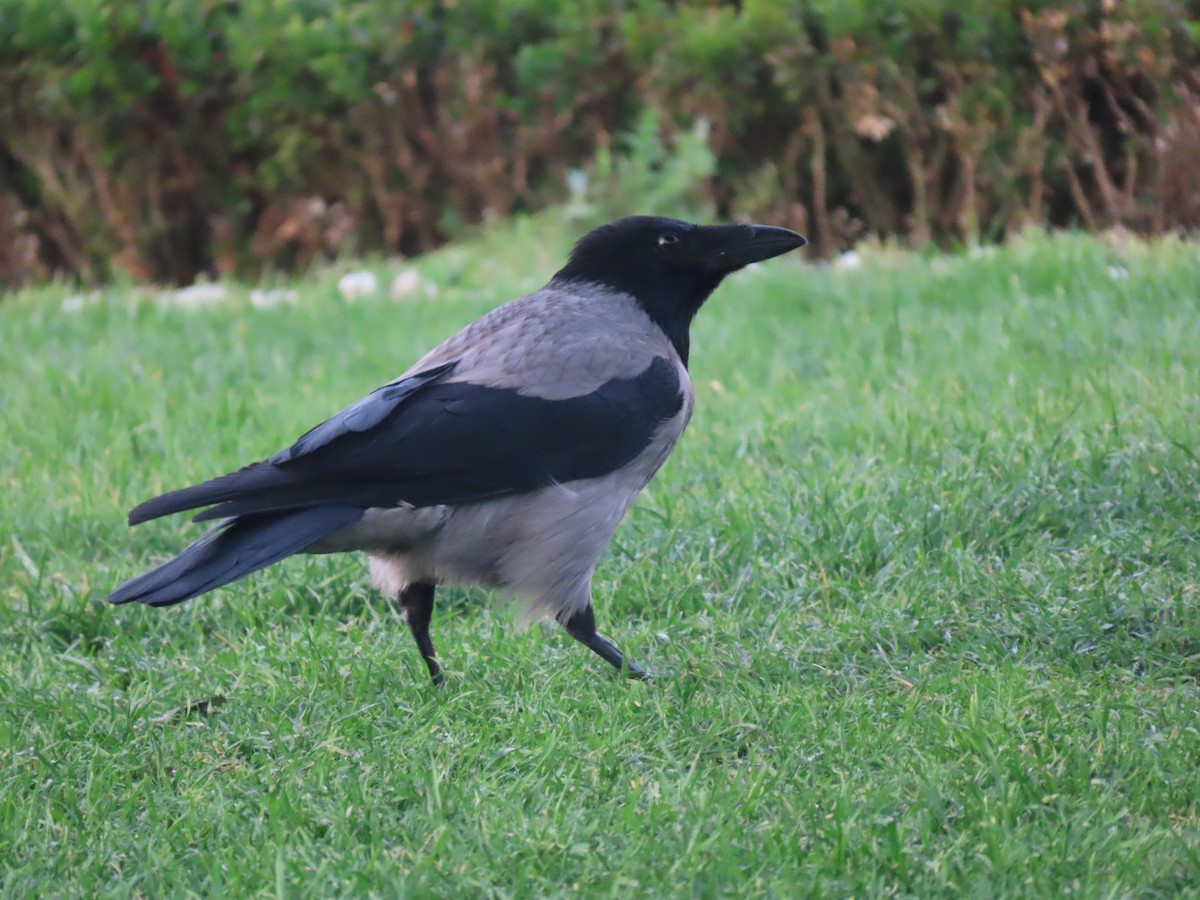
(233, 549)
(257, 476)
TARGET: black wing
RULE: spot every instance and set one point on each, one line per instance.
(425, 442)
(363, 415)
(354, 419)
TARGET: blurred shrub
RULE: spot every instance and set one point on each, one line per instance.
(166, 138)
(642, 175)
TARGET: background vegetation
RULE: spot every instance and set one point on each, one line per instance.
(165, 139)
(925, 568)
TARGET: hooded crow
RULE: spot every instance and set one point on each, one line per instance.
(505, 457)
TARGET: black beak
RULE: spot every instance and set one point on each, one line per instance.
(728, 248)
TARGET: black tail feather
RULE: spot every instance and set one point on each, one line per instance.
(231, 550)
(254, 477)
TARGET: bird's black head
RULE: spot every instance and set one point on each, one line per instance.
(670, 267)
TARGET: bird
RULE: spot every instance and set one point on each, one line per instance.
(505, 457)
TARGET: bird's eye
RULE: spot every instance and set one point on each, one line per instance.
(668, 239)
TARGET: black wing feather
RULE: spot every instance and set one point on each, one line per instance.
(270, 474)
(432, 442)
(363, 415)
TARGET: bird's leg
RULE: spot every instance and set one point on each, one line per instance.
(416, 602)
(582, 627)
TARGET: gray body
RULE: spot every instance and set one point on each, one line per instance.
(541, 546)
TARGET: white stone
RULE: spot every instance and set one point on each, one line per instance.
(851, 259)
(198, 295)
(406, 283)
(354, 285)
(265, 299)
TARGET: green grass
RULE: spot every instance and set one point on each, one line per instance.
(925, 569)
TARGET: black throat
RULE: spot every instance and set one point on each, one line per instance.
(674, 318)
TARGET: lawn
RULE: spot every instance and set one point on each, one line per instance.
(925, 571)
